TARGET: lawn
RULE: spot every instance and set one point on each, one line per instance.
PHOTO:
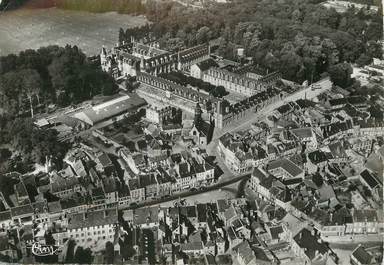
(32, 28)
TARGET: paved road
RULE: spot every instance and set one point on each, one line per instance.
(308, 93)
(216, 186)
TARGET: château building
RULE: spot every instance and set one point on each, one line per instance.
(130, 59)
(175, 90)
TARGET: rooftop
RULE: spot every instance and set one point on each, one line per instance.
(110, 109)
(369, 179)
(146, 215)
(245, 252)
(287, 165)
(205, 65)
(92, 219)
(361, 255)
(310, 242)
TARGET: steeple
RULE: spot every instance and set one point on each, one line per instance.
(198, 113)
(103, 50)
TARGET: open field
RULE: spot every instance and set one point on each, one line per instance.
(32, 28)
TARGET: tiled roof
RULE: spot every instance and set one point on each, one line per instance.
(92, 219)
(191, 246)
(276, 231)
(22, 210)
(362, 255)
(369, 179)
(145, 215)
(287, 165)
(369, 215)
(245, 252)
(5, 216)
(105, 160)
(303, 132)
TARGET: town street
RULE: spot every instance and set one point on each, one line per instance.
(308, 93)
(233, 181)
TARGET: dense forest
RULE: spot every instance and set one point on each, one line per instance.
(300, 38)
(29, 82)
(36, 78)
(28, 145)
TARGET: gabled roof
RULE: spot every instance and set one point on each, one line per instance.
(92, 219)
(230, 213)
(259, 173)
(104, 159)
(287, 165)
(62, 184)
(369, 179)
(276, 231)
(204, 128)
(146, 215)
(5, 216)
(368, 215)
(4, 244)
(302, 132)
(245, 252)
(361, 255)
(317, 157)
(201, 212)
(73, 201)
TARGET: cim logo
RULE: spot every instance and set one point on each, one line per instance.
(41, 250)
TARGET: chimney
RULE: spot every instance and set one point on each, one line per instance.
(316, 253)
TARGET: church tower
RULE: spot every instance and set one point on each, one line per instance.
(198, 113)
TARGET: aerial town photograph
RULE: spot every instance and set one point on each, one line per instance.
(191, 132)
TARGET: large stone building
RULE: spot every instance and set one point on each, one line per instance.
(232, 81)
(188, 57)
(96, 226)
(132, 58)
(223, 112)
(158, 115)
(172, 89)
(245, 84)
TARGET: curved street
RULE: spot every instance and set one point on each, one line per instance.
(242, 179)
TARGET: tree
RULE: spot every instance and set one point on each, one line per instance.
(83, 256)
(270, 61)
(203, 35)
(364, 59)
(122, 36)
(109, 252)
(31, 84)
(340, 74)
(290, 66)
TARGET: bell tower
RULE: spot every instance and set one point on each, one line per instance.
(198, 113)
